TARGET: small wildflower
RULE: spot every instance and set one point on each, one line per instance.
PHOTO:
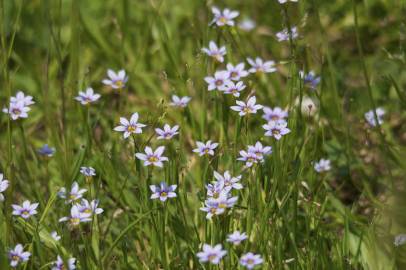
(59, 264)
(228, 180)
(224, 17)
(216, 52)
(21, 97)
(276, 129)
(17, 110)
(217, 206)
(88, 171)
(285, 1)
(219, 80)
(249, 158)
(259, 66)
(233, 88)
(89, 208)
(310, 79)
(46, 151)
(400, 240)
(370, 116)
(236, 237)
(205, 148)
(4, 183)
(180, 101)
(116, 80)
(167, 132)
(322, 166)
(251, 260)
(247, 25)
(236, 72)
(247, 108)
(88, 97)
(284, 34)
(25, 210)
(274, 114)
(212, 254)
(130, 127)
(163, 191)
(76, 217)
(259, 150)
(55, 236)
(74, 195)
(18, 255)
(216, 188)
(152, 158)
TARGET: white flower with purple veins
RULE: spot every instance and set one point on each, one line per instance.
(276, 129)
(212, 208)
(260, 150)
(89, 208)
(59, 264)
(224, 17)
(249, 158)
(322, 166)
(167, 132)
(21, 97)
(25, 210)
(88, 171)
(247, 25)
(310, 79)
(259, 66)
(285, 1)
(180, 101)
(17, 110)
(18, 255)
(4, 183)
(233, 88)
(216, 52)
(130, 127)
(236, 238)
(274, 114)
(211, 254)
(153, 158)
(219, 80)
(228, 181)
(163, 191)
(75, 193)
(205, 148)
(116, 80)
(246, 108)
(87, 97)
(237, 72)
(284, 34)
(251, 260)
(55, 236)
(370, 116)
(76, 217)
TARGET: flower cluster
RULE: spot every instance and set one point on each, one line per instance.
(254, 154)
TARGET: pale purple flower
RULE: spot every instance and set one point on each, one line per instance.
(87, 97)
(18, 255)
(247, 25)
(284, 34)
(370, 117)
(246, 108)
(21, 97)
(285, 1)
(216, 188)
(249, 158)
(55, 236)
(212, 208)
(228, 180)
(233, 88)
(59, 264)
(180, 101)
(251, 260)
(75, 193)
(4, 183)
(167, 132)
(153, 158)
(259, 150)
(274, 114)
(46, 151)
(216, 52)
(88, 171)
(17, 110)
(211, 254)
(237, 72)
(89, 208)
(219, 80)
(224, 17)
(76, 217)
(276, 129)
(310, 79)
(259, 66)
(130, 127)
(205, 148)
(322, 166)
(25, 210)
(236, 237)
(116, 80)
(163, 191)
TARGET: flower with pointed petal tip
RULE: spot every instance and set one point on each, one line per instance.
(370, 117)
(76, 217)
(167, 132)
(205, 148)
(216, 52)
(228, 180)
(259, 66)
(17, 110)
(18, 255)
(88, 171)
(59, 264)
(153, 158)
(249, 158)
(236, 237)
(310, 79)
(284, 34)
(260, 150)
(276, 129)
(236, 72)
(46, 151)
(225, 17)
(87, 97)
(163, 191)
(251, 260)
(212, 254)
(220, 79)
(130, 127)
(74, 195)
(4, 183)
(246, 108)
(180, 101)
(322, 166)
(274, 114)
(89, 208)
(25, 210)
(233, 88)
(21, 97)
(116, 80)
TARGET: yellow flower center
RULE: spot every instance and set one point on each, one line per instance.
(153, 159)
(275, 131)
(219, 82)
(119, 84)
(130, 128)
(25, 213)
(75, 221)
(206, 151)
(164, 194)
(223, 20)
(15, 258)
(222, 205)
(212, 257)
(246, 110)
(250, 261)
